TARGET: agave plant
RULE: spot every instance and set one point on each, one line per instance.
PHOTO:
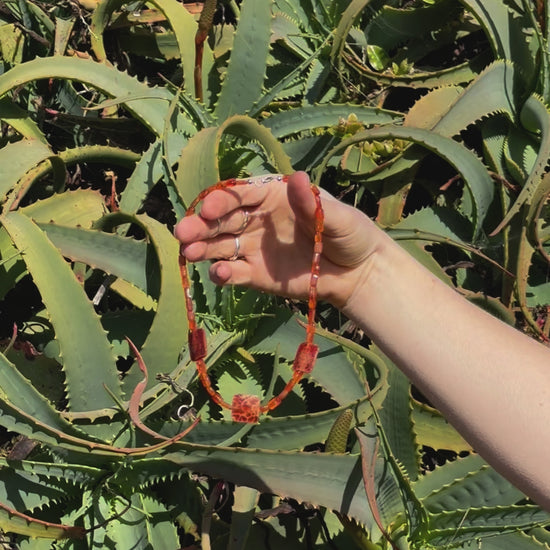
(99, 279)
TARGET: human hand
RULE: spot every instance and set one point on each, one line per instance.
(276, 239)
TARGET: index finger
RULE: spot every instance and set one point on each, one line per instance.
(250, 192)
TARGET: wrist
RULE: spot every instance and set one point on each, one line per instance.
(373, 276)
(351, 287)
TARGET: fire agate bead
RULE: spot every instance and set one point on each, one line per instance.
(306, 354)
(245, 408)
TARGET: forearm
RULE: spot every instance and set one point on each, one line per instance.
(490, 381)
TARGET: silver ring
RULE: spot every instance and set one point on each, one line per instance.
(246, 219)
(237, 248)
(218, 228)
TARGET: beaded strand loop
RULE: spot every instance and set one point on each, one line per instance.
(248, 408)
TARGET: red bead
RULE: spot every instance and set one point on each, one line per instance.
(197, 344)
(245, 408)
(306, 354)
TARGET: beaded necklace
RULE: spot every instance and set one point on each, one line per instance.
(248, 408)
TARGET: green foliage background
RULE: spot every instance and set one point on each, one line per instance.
(430, 115)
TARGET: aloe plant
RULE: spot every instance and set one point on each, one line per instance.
(280, 92)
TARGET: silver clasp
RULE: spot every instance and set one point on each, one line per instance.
(258, 181)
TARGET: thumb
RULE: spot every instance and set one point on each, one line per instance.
(300, 196)
(301, 200)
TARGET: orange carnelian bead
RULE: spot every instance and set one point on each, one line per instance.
(306, 354)
(197, 344)
(245, 408)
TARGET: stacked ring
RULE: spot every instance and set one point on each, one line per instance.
(246, 219)
(237, 248)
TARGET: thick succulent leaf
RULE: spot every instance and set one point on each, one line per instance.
(450, 76)
(332, 370)
(532, 288)
(473, 524)
(540, 535)
(520, 152)
(143, 526)
(180, 20)
(12, 40)
(308, 117)
(24, 490)
(317, 89)
(494, 131)
(508, 541)
(409, 23)
(168, 331)
(183, 496)
(287, 32)
(330, 480)
(149, 170)
(526, 295)
(316, 16)
(198, 164)
(433, 430)
(536, 118)
(120, 256)
(464, 483)
(204, 290)
(308, 152)
(18, 119)
(12, 267)
(295, 11)
(428, 110)
(341, 33)
(150, 105)
(43, 372)
(370, 461)
(24, 410)
(128, 323)
(494, 90)
(445, 222)
(38, 544)
(505, 29)
(81, 338)
(238, 378)
(246, 71)
(81, 208)
(242, 516)
(280, 87)
(96, 513)
(75, 474)
(448, 112)
(100, 154)
(29, 486)
(474, 173)
(395, 417)
(284, 433)
(439, 225)
(13, 521)
(16, 159)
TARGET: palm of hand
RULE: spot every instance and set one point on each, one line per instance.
(277, 246)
